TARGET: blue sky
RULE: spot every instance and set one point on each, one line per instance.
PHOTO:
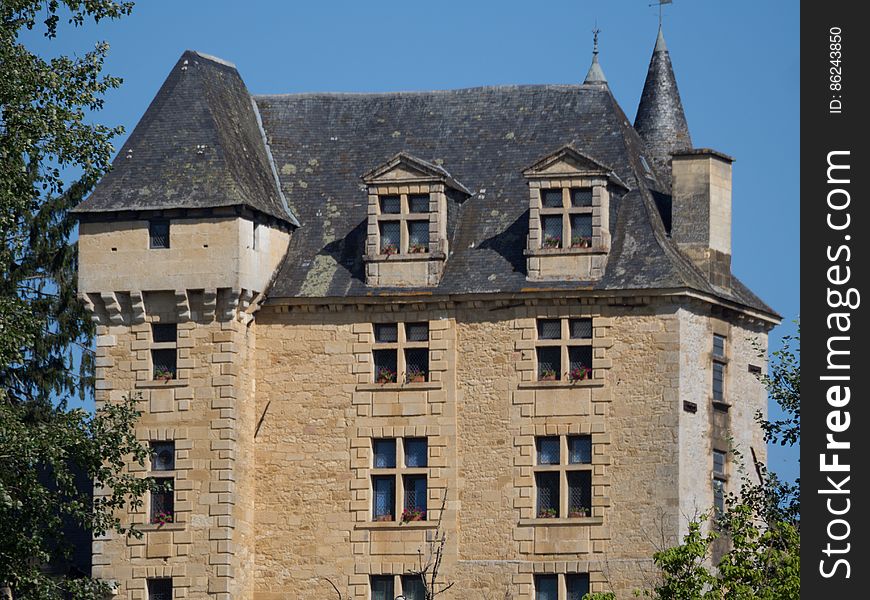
(737, 66)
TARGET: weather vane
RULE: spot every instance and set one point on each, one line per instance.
(595, 33)
(660, 4)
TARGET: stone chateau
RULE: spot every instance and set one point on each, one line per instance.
(352, 316)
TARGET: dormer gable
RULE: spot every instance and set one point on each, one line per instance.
(569, 216)
(406, 241)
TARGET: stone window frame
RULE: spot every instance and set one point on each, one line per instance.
(404, 217)
(398, 473)
(524, 481)
(525, 344)
(180, 476)
(566, 212)
(142, 363)
(562, 469)
(162, 346)
(598, 186)
(361, 466)
(565, 342)
(561, 583)
(400, 346)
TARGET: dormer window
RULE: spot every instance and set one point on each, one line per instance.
(407, 241)
(569, 216)
(403, 224)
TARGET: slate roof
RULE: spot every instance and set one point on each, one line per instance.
(199, 145)
(205, 142)
(660, 121)
(485, 138)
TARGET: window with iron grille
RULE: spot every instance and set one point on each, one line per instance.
(576, 585)
(162, 456)
(401, 461)
(382, 587)
(546, 587)
(403, 223)
(566, 217)
(400, 353)
(413, 588)
(563, 349)
(158, 233)
(563, 476)
(164, 352)
(163, 501)
(160, 589)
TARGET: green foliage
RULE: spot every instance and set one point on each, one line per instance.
(47, 450)
(784, 386)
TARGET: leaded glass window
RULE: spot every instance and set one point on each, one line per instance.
(549, 363)
(548, 493)
(417, 364)
(417, 332)
(551, 227)
(579, 449)
(581, 197)
(163, 500)
(581, 231)
(413, 588)
(549, 329)
(391, 205)
(718, 381)
(164, 363)
(719, 346)
(579, 493)
(160, 589)
(580, 329)
(548, 450)
(416, 452)
(384, 494)
(386, 333)
(418, 203)
(384, 451)
(390, 237)
(382, 587)
(418, 236)
(415, 492)
(719, 459)
(385, 366)
(551, 198)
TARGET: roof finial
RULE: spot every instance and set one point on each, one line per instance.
(660, 4)
(595, 74)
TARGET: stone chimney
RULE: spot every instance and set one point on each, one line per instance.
(701, 210)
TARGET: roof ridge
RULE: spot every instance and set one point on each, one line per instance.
(567, 87)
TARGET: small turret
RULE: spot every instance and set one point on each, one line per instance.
(660, 121)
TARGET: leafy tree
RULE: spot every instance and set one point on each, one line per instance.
(45, 332)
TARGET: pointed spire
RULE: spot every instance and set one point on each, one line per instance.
(660, 121)
(595, 74)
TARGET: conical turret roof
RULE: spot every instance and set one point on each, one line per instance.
(660, 119)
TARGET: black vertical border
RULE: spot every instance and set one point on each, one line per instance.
(824, 131)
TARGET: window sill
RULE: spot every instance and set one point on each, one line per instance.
(172, 383)
(561, 522)
(151, 527)
(586, 383)
(564, 251)
(397, 525)
(392, 387)
(406, 257)
(721, 405)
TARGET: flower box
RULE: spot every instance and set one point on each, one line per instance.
(389, 249)
(548, 375)
(383, 518)
(385, 375)
(414, 514)
(552, 242)
(579, 374)
(581, 242)
(578, 513)
(418, 249)
(548, 513)
(163, 375)
(162, 518)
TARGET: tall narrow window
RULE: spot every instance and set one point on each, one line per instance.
(548, 494)
(719, 479)
(255, 237)
(158, 233)
(401, 461)
(164, 352)
(719, 363)
(163, 501)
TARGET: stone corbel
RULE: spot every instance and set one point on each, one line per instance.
(114, 316)
(182, 305)
(137, 308)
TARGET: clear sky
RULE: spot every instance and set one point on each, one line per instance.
(737, 67)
